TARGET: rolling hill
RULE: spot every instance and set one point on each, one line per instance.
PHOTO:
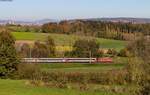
(67, 40)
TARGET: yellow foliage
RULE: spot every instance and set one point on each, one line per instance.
(64, 48)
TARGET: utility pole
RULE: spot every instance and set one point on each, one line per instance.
(90, 56)
(30, 54)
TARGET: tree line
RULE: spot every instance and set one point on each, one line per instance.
(102, 29)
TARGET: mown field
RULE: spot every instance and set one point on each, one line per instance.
(79, 67)
(68, 40)
(18, 87)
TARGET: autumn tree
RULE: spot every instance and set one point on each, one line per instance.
(39, 50)
(50, 28)
(25, 51)
(86, 48)
(51, 46)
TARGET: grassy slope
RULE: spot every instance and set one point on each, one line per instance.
(79, 67)
(66, 40)
(16, 87)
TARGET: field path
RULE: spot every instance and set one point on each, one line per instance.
(26, 42)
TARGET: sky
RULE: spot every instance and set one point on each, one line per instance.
(73, 9)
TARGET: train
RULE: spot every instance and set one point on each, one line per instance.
(68, 60)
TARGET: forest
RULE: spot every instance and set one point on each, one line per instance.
(101, 29)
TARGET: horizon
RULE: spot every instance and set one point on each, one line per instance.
(27, 20)
(30, 10)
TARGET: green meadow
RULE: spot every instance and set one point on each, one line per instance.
(79, 67)
(68, 40)
(18, 87)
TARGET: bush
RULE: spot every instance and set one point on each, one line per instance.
(124, 53)
(112, 52)
(68, 54)
(100, 53)
(103, 78)
(146, 90)
(28, 71)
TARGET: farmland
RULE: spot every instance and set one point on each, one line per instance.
(68, 40)
(17, 87)
(70, 79)
(52, 47)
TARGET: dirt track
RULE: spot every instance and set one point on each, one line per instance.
(26, 42)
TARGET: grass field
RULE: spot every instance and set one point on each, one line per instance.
(17, 87)
(79, 67)
(68, 40)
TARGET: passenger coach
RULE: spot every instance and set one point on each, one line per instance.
(68, 60)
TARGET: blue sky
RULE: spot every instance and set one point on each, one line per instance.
(70, 9)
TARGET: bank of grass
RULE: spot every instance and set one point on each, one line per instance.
(68, 40)
(17, 87)
(67, 67)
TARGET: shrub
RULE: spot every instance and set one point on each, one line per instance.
(29, 71)
(146, 90)
(124, 53)
(112, 52)
(100, 53)
(62, 82)
(85, 78)
(68, 54)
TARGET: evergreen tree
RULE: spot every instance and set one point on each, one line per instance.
(8, 55)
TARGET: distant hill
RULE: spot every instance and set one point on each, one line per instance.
(122, 19)
(40, 22)
(46, 21)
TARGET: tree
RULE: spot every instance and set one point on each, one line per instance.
(141, 48)
(86, 48)
(40, 50)
(51, 46)
(25, 51)
(8, 56)
(50, 28)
